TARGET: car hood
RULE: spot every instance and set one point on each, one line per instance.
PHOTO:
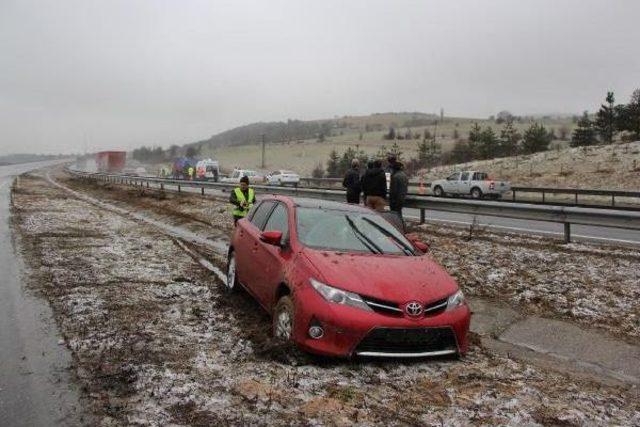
(396, 279)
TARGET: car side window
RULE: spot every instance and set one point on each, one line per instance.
(453, 177)
(465, 176)
(261, 214)
(278, 221)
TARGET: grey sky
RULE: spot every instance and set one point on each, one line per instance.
(120, 74)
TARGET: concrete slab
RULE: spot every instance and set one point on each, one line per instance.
(588, 348)
(491, 318)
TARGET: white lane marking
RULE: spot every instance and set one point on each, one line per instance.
(529, 230)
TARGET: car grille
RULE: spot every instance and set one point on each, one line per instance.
(436, 307)
(384, 307)
(410, 340)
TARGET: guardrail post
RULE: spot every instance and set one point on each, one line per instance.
(147, 184)
(161, 186)
(543, 197)
(576, 197)
(422, 217)
(567, 232)
(202, 191)
(514, 195)
(613, 200)
(178, 188)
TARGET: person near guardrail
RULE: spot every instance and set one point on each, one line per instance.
(242, 198)
(398, 188)
(374, 185)
(351, 182)
(190, 171)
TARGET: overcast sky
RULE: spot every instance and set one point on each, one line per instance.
(120, 74)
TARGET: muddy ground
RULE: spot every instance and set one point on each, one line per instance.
(156, 340)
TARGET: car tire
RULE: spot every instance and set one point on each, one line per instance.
(283, 319)
(438, 191)
(231, 284)
(476, 193)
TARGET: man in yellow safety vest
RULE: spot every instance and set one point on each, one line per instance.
(242, 199)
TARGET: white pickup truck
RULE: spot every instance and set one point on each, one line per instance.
(473, 183)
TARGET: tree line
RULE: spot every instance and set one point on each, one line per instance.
(609, 121)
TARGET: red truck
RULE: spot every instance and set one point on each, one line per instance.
(111, 161)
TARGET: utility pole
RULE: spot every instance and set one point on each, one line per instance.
(263, 143)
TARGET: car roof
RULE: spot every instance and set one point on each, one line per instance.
(306, 202)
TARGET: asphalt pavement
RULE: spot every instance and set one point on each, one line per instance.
(35, 384)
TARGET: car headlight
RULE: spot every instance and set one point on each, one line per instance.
(455, 300)
(338, 296)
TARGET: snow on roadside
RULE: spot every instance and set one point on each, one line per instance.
(596, 286)
(157, 341)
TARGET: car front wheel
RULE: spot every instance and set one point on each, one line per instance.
(438, 191)
(476, 193)
(283, 316)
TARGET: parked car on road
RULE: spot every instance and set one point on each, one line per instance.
(283, 177)
(340, 280)
(235, 176)
(473, 183)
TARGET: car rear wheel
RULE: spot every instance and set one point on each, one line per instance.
(476, 193)
(283, 316)
(232, 275)
(438, 191)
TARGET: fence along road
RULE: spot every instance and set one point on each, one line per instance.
(564, 215)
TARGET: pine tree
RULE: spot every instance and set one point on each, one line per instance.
(585, 133)
(487, 144)
(605, 123)
(509, 138)
(395, 149)
(536, 139)
(474, 140)
(333, 164)
(628, 116)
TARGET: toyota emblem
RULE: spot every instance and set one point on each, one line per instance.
(414, 308)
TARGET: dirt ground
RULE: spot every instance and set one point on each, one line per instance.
(157, 341)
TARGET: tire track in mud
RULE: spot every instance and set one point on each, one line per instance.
(179, 235)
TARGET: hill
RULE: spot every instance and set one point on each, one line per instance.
(303, 145)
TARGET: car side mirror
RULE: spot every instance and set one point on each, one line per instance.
(419, 244)
(272, 237)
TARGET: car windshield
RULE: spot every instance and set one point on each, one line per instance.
(288, 173)
(347, 231)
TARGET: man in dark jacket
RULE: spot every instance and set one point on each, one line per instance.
(398, 188)
(374, 185)
(351, 182)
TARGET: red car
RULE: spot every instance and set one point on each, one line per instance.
(340, 280)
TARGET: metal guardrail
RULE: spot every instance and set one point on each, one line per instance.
(559, 214)
(542, 191)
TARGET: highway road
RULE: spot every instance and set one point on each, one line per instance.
(35, 388)
(579, 233)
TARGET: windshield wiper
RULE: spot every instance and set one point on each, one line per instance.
(362, 237)
(406, 249)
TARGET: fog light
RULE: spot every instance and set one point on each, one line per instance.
(316, 332)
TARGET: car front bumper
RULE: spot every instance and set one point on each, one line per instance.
(350, 332)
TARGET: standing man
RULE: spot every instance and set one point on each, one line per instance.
(242, 198)
(190, 170)
(398, 188)
(374, 185)
(351, 182)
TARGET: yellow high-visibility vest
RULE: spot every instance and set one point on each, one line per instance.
(239, 211)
